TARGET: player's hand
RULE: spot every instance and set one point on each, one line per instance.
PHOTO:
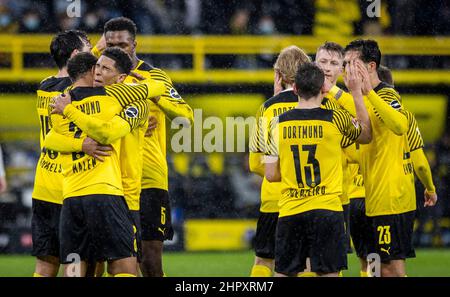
(95, 149)
(137, 76)
(277, 83)
(60, 102)
(152, 125)
(3, 185)
(430, 199)
(353, 80)
(101, 43)
(362, 70)
(327, 85)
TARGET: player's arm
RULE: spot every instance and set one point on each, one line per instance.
(256, 145)
(127, 94)
(420, 162)
(66, 144)
(344, 99)
(105, 132)
(3, 184)
(272, 170)
(62, 143)
(171, 103)
(386, 104)
(99, 47)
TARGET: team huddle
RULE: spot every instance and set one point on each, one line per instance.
(338, 166)
(101, 186)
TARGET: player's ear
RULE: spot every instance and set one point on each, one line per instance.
(121, 78)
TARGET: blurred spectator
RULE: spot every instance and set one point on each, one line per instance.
(3, 184)
(93, 21)
(8, 23)
(295, 17)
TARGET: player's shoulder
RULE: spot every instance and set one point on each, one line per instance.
(388, 93)
(282, 97)
(297, 114)
(331, 104)
(80, 93)
(55, 84)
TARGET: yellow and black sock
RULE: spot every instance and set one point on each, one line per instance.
(37, 275)
(261, 271)
(307, 274)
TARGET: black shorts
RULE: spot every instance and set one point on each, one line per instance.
(97, 228)
(136, 216)
(156, 219)
(346, 213)
(391, 236)
(318, 234)
(359, 227)
(265, 235)
(45, 228)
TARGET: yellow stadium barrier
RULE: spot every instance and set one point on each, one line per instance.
(200, 46)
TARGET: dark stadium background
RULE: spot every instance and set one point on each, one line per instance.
(219, 55)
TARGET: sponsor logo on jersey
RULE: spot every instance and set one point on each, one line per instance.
(132, 112)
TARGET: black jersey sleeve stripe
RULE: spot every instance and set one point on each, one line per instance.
(115, 93)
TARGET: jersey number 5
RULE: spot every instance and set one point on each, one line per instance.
(312, 165)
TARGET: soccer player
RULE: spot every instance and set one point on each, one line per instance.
(359, 222)
(284, 99)
(330, 58)
(96, 222)
(415, 142)
(133, 118)
(3, 184)
(155, 209)
(47, 192)
(390, 195)
(304, 154)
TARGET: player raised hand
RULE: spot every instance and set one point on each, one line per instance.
(277, 83)
(95, 149)
(352, 78)
(366, 85)
(137, 76)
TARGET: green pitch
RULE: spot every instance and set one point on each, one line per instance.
(429, 262)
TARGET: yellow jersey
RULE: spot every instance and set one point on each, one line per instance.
(273, 107)
(356, 180)
(85, 175)
(170, 104)
(48, 180)
(388, 187)
(308, 145)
